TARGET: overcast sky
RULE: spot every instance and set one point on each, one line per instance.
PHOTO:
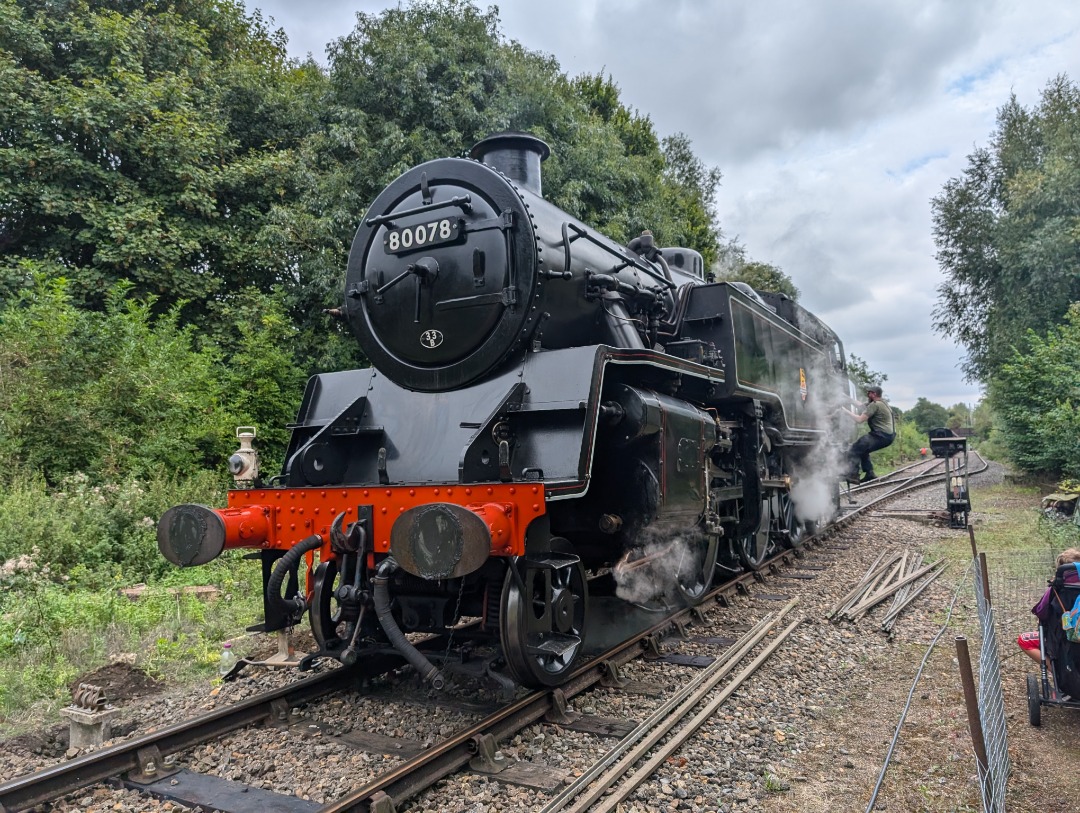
(834, 123)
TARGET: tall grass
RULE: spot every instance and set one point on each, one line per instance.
(65, 555)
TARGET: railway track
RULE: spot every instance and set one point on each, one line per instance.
(150, 762)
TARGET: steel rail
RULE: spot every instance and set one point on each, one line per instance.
(419, 773)
(693, 691)
(631, 781)
(128, 757)
(911, 484)
(131, 756)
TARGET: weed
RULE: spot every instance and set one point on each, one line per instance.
(773, 784)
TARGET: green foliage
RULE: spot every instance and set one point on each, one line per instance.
(261, 386)
(1036, 397)
(983, 420)
(58, 627)
(1007, 232)
(432, 78)
(90, 531)
(960, 417)
(764, 277)
(927, 415)
(105, 392)
(904, 449)
(150, 148)
(120, 392)
(862, 376)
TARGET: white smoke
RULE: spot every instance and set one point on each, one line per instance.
(654, 566)
(815, 477)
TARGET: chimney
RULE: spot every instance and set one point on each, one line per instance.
(516, 155)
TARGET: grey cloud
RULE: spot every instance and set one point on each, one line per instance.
(764, 76)
(833, 122)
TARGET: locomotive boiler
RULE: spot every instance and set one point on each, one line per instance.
(546, 409)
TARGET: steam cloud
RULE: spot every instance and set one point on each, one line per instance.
(652, 568)
(815, 476)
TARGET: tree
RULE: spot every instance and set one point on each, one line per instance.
(430, 79)
(983, 419)
(734, 265)
(120, 391)
(1036, 396)
(1006, 232)
(765, 277)
(862, 376)
(927, 415)
(146, 143)
(959, 417)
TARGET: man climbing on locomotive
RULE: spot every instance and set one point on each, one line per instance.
(879, 416)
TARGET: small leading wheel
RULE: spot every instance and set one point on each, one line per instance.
(695, 570)
(325, 616)
(1034, 704)
(542, 618)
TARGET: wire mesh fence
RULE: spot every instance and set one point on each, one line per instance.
(1017, 580)
(994, 774)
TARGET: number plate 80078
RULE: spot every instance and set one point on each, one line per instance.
(409, 238)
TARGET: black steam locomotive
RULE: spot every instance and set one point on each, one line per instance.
(547, 413)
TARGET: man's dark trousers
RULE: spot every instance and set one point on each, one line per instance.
(860, 450)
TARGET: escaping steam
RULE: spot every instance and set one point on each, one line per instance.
(657, 563)
(815, 477)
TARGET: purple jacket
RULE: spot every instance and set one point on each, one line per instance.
(1042, 609)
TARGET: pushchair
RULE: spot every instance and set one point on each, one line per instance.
(1058, 685)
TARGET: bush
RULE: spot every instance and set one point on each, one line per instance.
(95, 530)
(1036, 397)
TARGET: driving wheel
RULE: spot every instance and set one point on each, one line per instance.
(695, 570)
(791, 531)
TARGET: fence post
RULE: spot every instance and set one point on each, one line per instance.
(985, 578)
(971, 700)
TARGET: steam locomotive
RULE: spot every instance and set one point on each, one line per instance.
(547, 412)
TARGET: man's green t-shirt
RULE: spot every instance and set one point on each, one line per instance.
(879, 417)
